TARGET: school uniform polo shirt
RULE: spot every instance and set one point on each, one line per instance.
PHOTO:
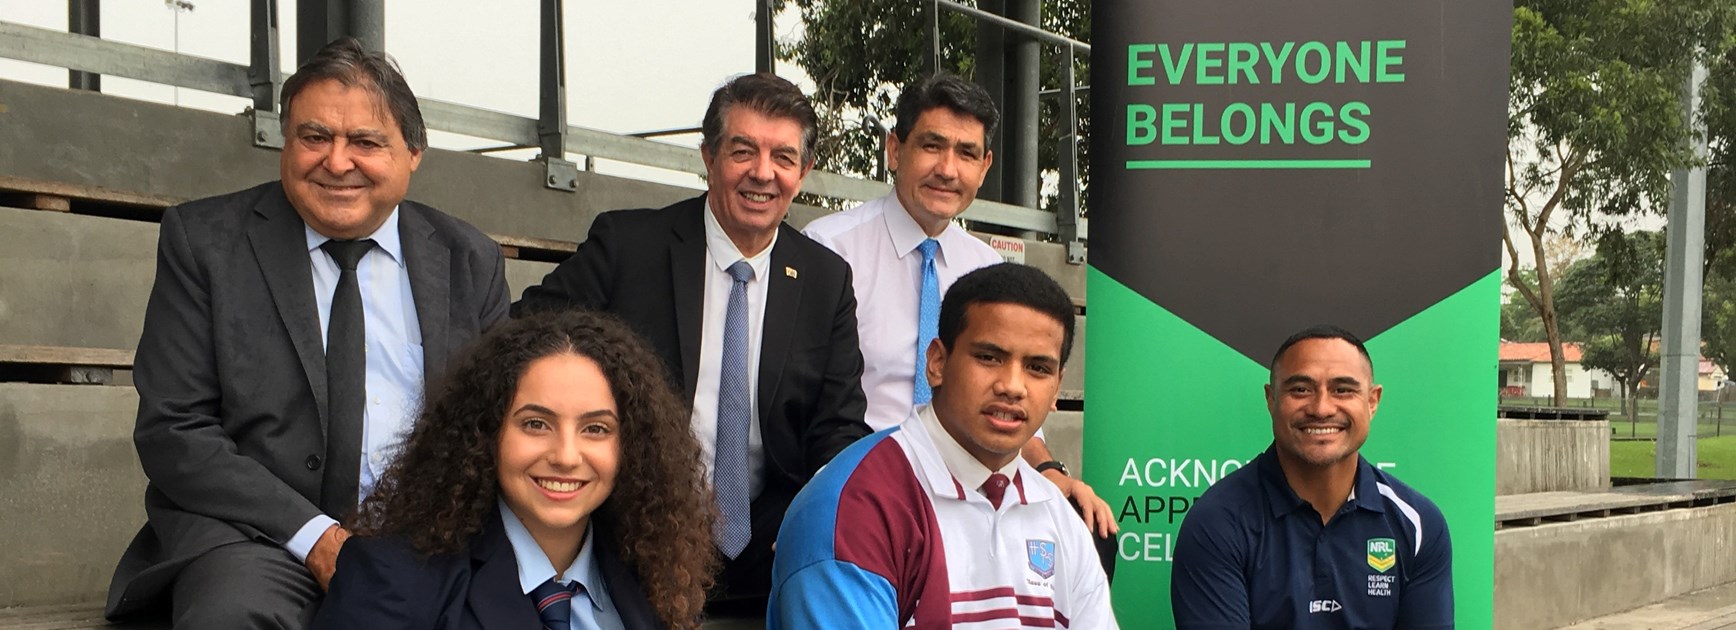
(1252, 554)
(895, 533)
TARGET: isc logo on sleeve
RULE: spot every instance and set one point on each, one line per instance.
(1324, 605)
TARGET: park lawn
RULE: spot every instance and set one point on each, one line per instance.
(1717, 457)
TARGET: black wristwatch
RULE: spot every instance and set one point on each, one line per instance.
(1053, 465)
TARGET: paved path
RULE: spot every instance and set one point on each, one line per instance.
(1710, 609)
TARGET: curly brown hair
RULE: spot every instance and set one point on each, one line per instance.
(443, 483)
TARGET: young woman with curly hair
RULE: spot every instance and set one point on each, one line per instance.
(554, 458)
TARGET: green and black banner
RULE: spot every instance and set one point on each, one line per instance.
(1261, 166)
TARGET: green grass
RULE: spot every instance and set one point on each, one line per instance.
(1716, 455)
(1713, 421)
(1716, 449)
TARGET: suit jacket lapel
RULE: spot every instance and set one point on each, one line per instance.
(279, 240)
(430, 266)
(687, 280)
(495, 597)
(783, 297)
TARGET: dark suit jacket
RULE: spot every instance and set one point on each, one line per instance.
(383, 583)
(231, 377)
(647, 266)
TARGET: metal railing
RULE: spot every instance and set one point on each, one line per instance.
(1070, 224)
(261, 80)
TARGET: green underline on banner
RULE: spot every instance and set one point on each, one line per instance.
(1243, 164)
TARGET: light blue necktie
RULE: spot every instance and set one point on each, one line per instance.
(734, 415)
(927, 318)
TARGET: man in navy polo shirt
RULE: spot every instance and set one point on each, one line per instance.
(1309, 534)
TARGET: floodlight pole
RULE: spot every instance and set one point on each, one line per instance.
(1678, 394)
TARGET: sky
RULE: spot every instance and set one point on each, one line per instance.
(632, 66)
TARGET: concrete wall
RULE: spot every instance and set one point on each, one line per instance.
(71, 492)
(1546, 455)
(1064, 432)
(1560, 573)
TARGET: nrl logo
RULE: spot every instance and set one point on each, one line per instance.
(1382, 554)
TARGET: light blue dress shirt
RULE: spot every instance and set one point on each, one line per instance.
(394, 355)
(592, 609)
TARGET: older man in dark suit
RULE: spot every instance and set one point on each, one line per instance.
(286, 345)
(757, 321)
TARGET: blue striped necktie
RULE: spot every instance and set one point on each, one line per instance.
(554, 604)
(734, 417)
(927, 318)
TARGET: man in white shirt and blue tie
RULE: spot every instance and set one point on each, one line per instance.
(905, 250)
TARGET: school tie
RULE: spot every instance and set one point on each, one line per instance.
(346, 382)
(996, 489)
(554, 604)
(734, 416)
(927, 318)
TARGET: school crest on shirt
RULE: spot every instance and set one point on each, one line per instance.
(1042, 556)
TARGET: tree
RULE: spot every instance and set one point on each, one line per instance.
(1595, 123)
(1614, 301)
(1519, 323)
(859, 52)
(1718, 323)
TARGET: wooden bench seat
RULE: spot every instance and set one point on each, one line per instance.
(59, 364)
(29, 194)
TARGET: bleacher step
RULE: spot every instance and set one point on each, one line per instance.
(1709, 609)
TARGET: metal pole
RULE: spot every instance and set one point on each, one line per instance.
(317, 23)
(991, 74)
(551, 124)
(265, 74)
(933, 20)
(1024, 78)
(1067, 210)
(84, 17)
(1678, 397)
(320, 22)
(765, 58)
(368, 23)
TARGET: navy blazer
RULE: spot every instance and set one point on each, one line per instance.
(382, 583)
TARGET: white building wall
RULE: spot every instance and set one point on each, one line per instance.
(1542, 381)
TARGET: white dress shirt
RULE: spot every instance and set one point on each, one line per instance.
(720, 253)
(393, 354)
(879, 240)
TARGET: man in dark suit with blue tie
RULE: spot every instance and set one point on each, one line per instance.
(286, 345)
(754, 321)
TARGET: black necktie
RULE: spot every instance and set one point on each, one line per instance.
(346, 382)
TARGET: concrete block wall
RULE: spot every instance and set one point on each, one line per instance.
(1556, 574)
(1549, 455)
(71, 491)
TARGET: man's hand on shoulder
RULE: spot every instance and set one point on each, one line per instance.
(322, 561)
(1098, 517)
